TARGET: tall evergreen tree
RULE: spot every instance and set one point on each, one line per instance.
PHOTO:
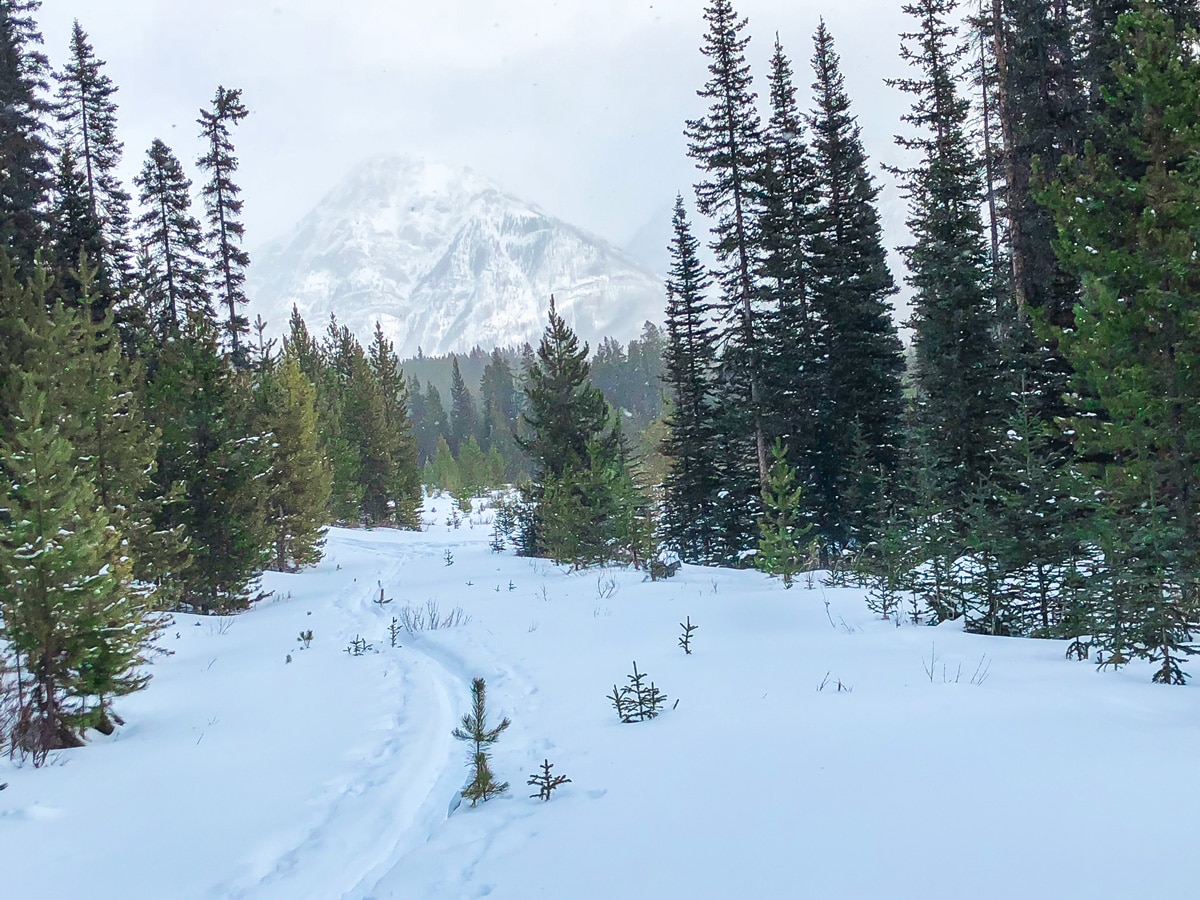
(690, 360)
(300, 477)
(1135, 347)
(404, 488)
(172, 271)
(851, 287)
(958, 402)
(24, 155)
(212, 464)
(726, 144)
(87, 117)
(462, 410)
(223, 205)
(75, 234)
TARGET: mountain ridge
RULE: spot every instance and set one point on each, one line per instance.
(445, 260)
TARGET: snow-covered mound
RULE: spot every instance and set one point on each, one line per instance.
(446, 260)
(931, 765)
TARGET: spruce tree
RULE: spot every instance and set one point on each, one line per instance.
(223, 206)
(212, 467)
(1135, 347)
(300, 477)
(172, 276)
(726, 144)
(783, 541)
(851, 287)
(75, 234)
(691, 488)
(24, 154)
(792, 333)
(462, 410)
(87, 118)
(403, 488)
(958, 407)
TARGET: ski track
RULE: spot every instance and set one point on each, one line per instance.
(405, 784)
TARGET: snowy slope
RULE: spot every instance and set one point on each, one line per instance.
(445, 260)
(242, 775)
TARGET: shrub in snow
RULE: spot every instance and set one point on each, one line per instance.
(358, 646)
(474, 730)
(545, 782)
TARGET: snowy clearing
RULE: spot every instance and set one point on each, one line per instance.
(1001, 770)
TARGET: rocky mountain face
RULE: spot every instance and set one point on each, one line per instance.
(445, 260)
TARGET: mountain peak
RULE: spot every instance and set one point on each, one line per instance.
(444, 259)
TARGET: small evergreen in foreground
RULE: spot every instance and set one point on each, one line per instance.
(474, 730)
(782, 545)
(545, 782)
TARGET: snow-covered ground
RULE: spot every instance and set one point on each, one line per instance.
(243, 775)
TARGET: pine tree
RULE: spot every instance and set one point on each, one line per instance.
(1135, 347)
(212, 464)
(87, 117)
(691, 488)
(171, 270)
(958, 410)
(24, 154)
(726, 144)
(223, 205)
(850, 297)
(573, 504)
(474, 730)
(300, 477)
(403, 488)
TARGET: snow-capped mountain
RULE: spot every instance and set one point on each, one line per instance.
(445, 260)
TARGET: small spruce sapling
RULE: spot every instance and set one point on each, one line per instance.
(545, 782)
(394, 631)
(637, 701)
(783, 545)
(685, 639)
(306, 638)
(449, 557)
(483, 784)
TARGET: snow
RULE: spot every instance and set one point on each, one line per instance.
(445, 260)
(954, 766)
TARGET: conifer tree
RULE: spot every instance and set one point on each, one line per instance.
(782, 537)
(223, 205)
(300, 477)
(851, 287)
(792, 333)
(726, 144)
(474, 730)
(403, 487)
(24, 155)
(1135, 347)
(171, 270)
(75, 233)
(690, 358)
(212, 463)
(462, 410)
(70, 604)
(958, 407)
(575, 451)
(87, 118)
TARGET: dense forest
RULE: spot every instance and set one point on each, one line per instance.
(1029, 467)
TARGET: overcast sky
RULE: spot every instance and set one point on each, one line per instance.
(576, 105)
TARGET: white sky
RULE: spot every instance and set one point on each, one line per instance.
(577, 105)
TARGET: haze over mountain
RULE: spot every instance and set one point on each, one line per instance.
(445, 260)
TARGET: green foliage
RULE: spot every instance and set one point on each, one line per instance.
(783, 544)
(475, 731)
